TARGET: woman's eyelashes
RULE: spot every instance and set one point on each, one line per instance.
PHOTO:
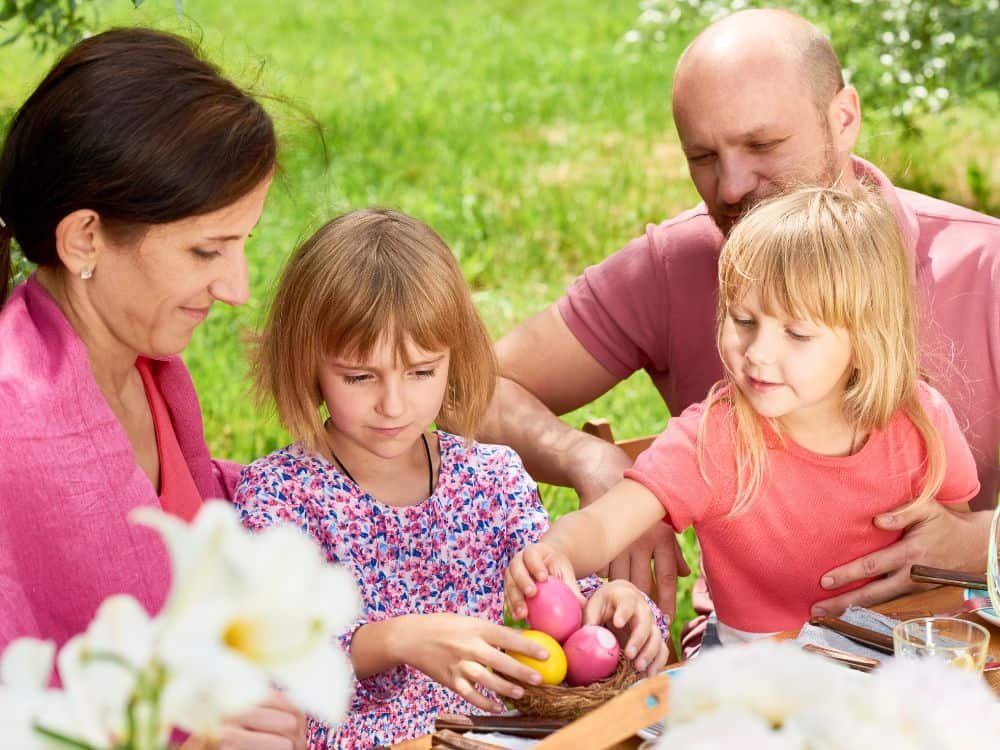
(204, 254)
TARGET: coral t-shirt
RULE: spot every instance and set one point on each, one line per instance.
(813, 514)
(652, 306)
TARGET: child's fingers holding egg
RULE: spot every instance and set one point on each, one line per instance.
(537, 558)
(485, 677)
(467, 689)
(511, 639)
(516, 581)
(640, 628)
(659, 658)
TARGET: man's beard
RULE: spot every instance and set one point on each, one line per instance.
(726, 215)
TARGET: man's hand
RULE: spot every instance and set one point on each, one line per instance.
(658, 545)
(594, 472)
(934, 535)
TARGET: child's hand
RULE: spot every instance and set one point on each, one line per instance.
(622, 607)
(459, 652)
(536, 562)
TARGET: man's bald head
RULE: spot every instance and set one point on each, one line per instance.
(760, 104)
(779, 36)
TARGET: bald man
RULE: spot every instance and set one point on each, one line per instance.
(759, 103)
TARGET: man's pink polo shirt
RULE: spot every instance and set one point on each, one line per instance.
(651, 306)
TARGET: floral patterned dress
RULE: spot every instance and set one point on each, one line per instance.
(447, 554)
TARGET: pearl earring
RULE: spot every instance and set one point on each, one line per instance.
(86, 273)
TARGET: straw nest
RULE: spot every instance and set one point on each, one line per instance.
(562, 702)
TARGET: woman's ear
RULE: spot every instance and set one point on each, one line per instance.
(77, 241)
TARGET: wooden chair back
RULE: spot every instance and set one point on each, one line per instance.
(602, 428)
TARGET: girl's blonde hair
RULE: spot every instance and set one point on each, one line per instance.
(366, 277)
(834, 257)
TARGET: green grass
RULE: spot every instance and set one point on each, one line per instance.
(520, 131)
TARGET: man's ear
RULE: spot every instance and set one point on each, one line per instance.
(77, 241)
(845, 119)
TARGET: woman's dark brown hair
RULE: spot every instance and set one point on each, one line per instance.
(134, 125)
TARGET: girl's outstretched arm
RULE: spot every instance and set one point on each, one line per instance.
(582, 542)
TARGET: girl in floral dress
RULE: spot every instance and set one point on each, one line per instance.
(374, 326)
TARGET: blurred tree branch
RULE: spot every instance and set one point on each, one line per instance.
(51, 23)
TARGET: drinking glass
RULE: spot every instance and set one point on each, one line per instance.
(961, 643)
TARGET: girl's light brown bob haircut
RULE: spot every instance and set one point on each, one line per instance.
(836, 257)
(367, 277)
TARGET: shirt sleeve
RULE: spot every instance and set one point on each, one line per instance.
(961, 480)
(260, 495)
(618, 309)
(669, 468)
(227, 475)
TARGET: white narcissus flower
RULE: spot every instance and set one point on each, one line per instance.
(246, 611)
(934, 700)
(729, 727)
(776, 694)
(768, 679)
(99, 670)
(25, 670)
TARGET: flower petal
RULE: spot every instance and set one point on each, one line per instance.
(27, 664)
(320, 684)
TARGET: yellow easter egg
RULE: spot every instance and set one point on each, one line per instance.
(553, 669)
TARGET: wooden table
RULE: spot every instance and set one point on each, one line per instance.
(935, 601)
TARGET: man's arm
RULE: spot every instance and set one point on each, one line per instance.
(545, 371)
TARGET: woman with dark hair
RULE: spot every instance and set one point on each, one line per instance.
(132, 176)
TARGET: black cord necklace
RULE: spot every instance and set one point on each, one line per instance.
(427, 452)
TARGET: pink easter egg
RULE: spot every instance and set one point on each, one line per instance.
(554, 610)
(591, 655)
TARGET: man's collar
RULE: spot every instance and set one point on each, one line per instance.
(906, 219)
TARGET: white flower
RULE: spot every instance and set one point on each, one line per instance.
(729, 727)
(24, 672)
(771, 695)
(931, 699)
(27, 665)
(771, 680)
(247, 611)
(99, 672)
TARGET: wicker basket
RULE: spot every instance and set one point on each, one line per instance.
(561, 702)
